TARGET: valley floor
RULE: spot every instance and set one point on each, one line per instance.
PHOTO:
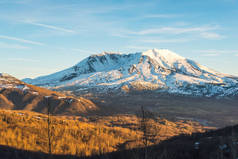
(212, 112)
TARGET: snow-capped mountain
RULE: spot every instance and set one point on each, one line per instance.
(157, 70)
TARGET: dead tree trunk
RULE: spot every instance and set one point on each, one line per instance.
(49, 125)
(147, 126)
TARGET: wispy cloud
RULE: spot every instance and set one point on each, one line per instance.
(218, 51)
(14, 1)
(108, 9)
(206, 32)
(209, 35)
(137, 47)
(22, 60)
(83, 51)
(20, 40)
(173, 30)
(120, 34)
(50, 27)
(164, 40)
(212, 52)
(161, 16)
(12, 46)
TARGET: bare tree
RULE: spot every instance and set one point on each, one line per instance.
(148, 128)
(49, 125)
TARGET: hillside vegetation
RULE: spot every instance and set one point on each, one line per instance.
(81, 136)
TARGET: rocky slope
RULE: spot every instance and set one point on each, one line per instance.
(17, 95)
(157, 70)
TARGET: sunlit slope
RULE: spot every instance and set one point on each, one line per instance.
(157, 70)
(15, 94)
(80, 135)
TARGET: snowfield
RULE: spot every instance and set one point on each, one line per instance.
(157, 70)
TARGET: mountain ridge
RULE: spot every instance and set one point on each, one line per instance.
(158, 70)
(17, 95)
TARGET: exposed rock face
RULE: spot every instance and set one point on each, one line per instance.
(157, 70)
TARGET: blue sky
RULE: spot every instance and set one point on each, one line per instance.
(38, 37)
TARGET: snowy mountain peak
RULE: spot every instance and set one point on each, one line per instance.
(159, 70)
(165, 58)
(163, 54)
